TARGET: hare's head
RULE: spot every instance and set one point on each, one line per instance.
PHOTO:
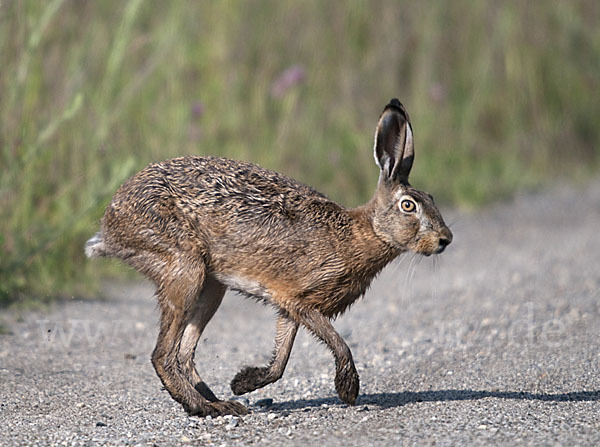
(404, 216)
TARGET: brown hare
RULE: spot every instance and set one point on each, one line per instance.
(199, 225)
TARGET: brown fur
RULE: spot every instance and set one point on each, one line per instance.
(198, 225)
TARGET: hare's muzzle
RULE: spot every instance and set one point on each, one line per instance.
(444, 241)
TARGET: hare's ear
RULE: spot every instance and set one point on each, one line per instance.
(394, 149)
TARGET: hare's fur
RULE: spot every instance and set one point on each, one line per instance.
(199, 225)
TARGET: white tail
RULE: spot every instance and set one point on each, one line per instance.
(95, 246)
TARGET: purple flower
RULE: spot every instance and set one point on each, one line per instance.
(291, 76)
(437, 92)
(197, 110)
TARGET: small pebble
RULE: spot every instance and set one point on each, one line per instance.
(100, 424)
(233, 422)
(285, 431)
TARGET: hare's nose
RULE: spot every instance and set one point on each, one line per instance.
(443, 242)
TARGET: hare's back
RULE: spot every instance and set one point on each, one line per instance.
(219, 185)
(211, 192)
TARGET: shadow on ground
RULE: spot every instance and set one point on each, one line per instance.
(391, 400)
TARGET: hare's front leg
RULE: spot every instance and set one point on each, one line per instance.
(346, 377)
(187, 303)
(251, 378)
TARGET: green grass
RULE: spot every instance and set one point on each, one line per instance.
(502, 95)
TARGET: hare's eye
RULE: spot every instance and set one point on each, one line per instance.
(408, 206)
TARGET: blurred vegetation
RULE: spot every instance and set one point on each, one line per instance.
(502, 95)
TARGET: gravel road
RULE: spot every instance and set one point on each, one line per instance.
(496, 342)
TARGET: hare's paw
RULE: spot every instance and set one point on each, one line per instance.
(231, 407)
(219, 408)
(347, 383)
(249, 379)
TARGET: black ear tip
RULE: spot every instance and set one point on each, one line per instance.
(397, 105)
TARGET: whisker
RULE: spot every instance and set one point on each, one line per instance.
(408, 277)
(411, 272)
(435, 264)
(398, 263)
(455, 221)
(397, 266)
(414, 267)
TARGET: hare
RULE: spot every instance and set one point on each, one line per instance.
(197, 226)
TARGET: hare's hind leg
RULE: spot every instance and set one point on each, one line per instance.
(251, 378)
(180, 299)
(200, 314)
